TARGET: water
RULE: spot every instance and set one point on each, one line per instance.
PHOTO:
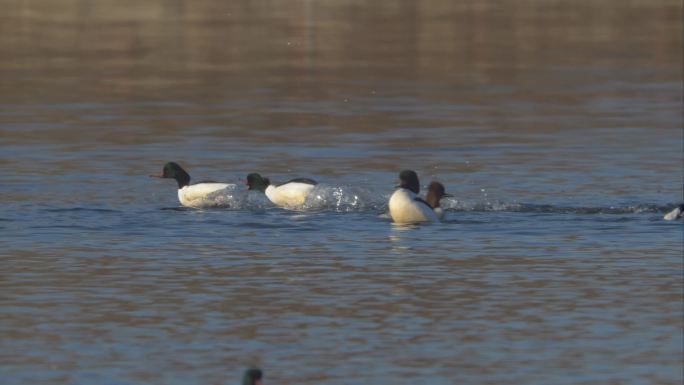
(557, 128)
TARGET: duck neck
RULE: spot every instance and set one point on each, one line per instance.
(183, 179)
(412, 186)
(432, 200)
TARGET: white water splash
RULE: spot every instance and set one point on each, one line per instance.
(342, 199)
(356, 199)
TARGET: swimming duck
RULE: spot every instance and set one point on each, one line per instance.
(252, 377)
(405, 206)
(289, 194)
(190, 195)
(674, 214)
(434, 195)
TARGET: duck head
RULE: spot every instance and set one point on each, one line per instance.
(173, 171)
(435, 193)
(253, 377)
(257, 182)
(408, 179)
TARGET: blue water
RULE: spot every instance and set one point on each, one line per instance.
(557, 128)
(108, 280)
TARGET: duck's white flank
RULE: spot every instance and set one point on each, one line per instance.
(674, 214)
(195, 195)
(404, 208)
(290, 194)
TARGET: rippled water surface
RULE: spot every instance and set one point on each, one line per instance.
(556, 126)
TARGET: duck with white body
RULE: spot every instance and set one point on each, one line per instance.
(677, 213)
(405, 206)
(291, 194)
(191, 195)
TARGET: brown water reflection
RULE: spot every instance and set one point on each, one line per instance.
(204, 50)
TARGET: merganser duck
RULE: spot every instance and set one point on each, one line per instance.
(674, 214)
(405, 206)
(190, 195)
(253, 377)
(434, 195)
(290, 194)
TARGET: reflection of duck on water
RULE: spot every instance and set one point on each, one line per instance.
(253, 377)
(674, 214)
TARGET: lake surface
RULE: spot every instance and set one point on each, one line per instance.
(558, 128)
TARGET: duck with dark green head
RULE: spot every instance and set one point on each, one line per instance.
(253, 377)
(291, 194)
(190, 195)
(405, 206)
